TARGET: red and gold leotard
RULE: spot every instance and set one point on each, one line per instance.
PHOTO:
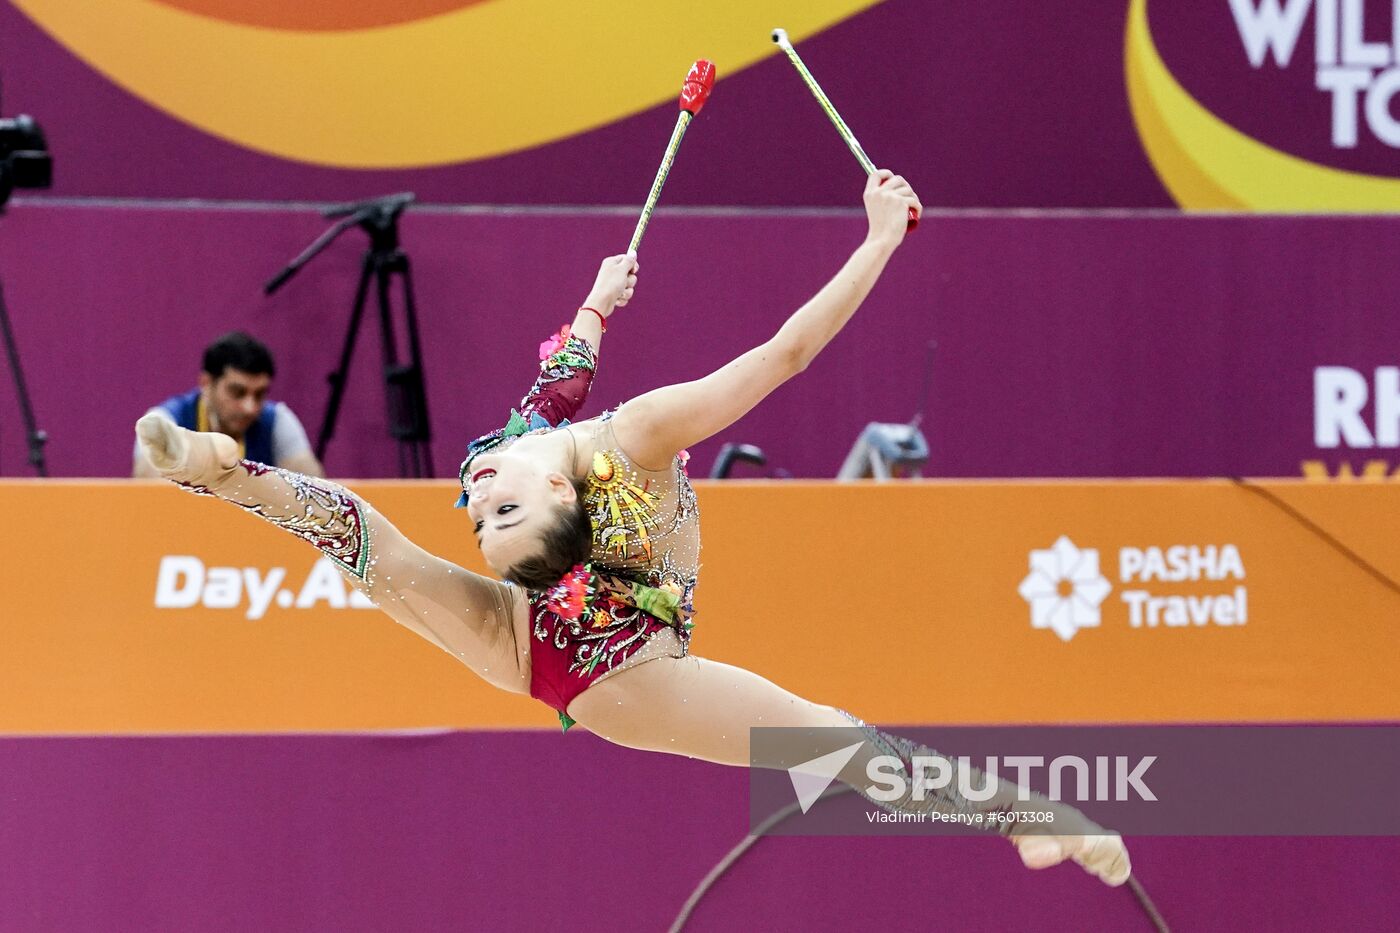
(634, 599)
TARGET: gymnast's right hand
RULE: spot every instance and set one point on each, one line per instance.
(617, 279)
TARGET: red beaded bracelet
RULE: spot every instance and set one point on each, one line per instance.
(602, 321)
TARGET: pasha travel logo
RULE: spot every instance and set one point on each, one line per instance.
(1176, 586)
(184, 581)
(1064, 588)
(1317, 78)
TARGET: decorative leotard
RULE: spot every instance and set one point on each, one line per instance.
(646, 523)
(634, 599)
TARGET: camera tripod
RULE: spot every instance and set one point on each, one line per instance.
(37, 438)
(384, 262)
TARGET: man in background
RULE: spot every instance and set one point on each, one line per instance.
(232, 399)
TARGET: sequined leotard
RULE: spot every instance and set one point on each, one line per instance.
(634, 600)
(646, 523)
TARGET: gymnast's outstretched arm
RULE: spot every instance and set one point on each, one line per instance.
(479, 621)
(654, 426)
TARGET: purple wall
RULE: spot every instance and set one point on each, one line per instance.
(532, 831)
(1067, 345)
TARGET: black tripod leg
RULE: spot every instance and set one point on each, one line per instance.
(342, 370)
(422, 451)
(386, 264)
(403, 382)
(35, 436)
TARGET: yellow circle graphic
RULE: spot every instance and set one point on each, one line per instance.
(482, 80)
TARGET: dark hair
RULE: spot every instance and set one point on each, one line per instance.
(239, 351)
(567, 542)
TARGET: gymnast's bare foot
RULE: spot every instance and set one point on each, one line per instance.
(185, 456)
(1103, 856)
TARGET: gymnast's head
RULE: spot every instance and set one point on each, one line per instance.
(530, 521)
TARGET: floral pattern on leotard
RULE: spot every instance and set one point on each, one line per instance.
(587, 612)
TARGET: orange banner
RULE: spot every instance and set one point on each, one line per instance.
(130, 607)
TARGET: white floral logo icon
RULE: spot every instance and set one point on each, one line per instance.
(1064, 588)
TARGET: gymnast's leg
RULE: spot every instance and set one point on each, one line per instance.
(704, 709)
(477, 620)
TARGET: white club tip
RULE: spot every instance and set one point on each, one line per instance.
(780, 37)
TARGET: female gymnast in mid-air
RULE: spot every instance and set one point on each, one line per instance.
(594, 526)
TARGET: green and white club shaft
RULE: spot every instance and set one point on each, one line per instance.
(682, 121)
(780, 37)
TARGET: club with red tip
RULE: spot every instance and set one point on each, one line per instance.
(694, 92)
(780, 38)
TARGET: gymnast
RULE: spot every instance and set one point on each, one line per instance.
(594, 527)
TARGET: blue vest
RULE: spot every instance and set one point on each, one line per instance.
(257, 441)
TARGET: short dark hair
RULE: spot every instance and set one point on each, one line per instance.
(567, 542)
(239, 351)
